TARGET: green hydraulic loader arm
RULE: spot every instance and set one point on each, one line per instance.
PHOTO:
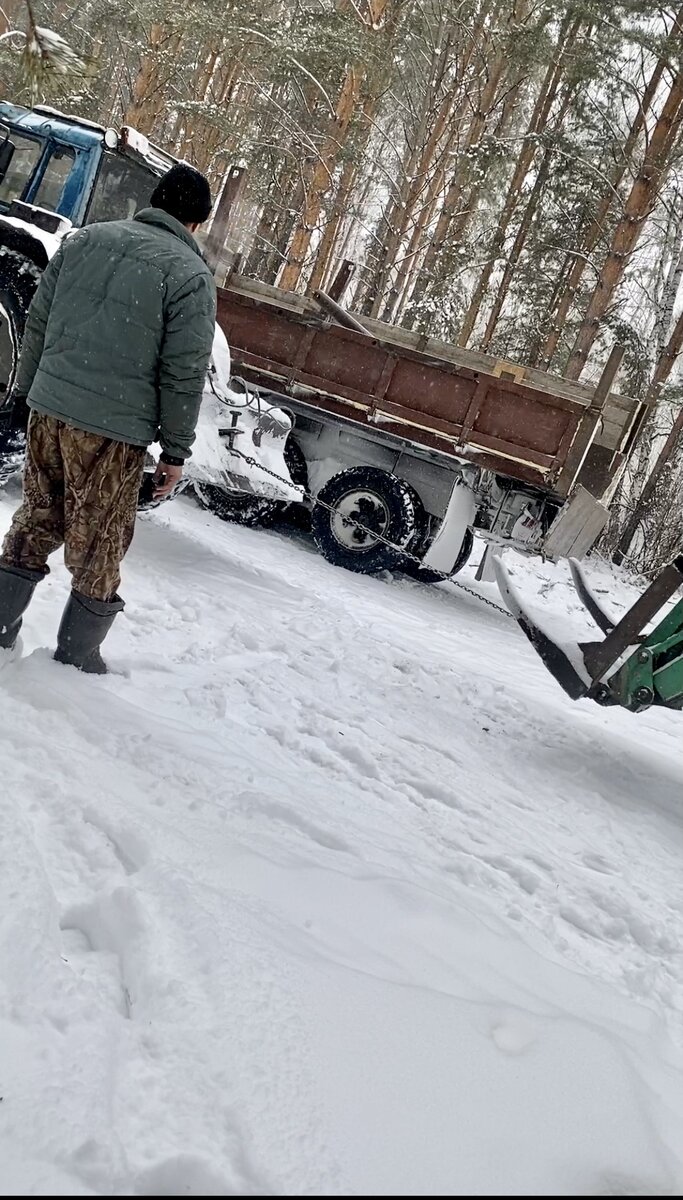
(628, 667)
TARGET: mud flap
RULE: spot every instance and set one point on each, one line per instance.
(572, 677)
(447, 543)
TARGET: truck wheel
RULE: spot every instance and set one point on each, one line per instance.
(379, 501)
(242, 508)
(18, 281)
(237, 507)
(296, 515)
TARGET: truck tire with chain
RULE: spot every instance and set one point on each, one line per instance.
(354, 506)
(255, 512)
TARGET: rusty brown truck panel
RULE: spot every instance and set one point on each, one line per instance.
(522, 423)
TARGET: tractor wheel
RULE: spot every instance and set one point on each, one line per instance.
(19, 279)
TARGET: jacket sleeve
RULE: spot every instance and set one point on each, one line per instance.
(36, 324)
(185, 353)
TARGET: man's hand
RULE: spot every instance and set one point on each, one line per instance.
(166, 478)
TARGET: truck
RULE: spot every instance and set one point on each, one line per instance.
(404, 447)
(426, 443)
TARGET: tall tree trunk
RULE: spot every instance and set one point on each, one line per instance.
(401, 288)
(203, 77)
(203, 140)
(418, 278)
(328, 241)
(525, 225)
(566, 40)
(663, 369)
(575, 264)
(515, 252)
(348, 222)
(399, 219)
(642, 452)
(460, 177)
(378, 16)
(320, 181)
(465, 188)
(414, 192)
(670, 292)
(667, 454)
(277, 176)
(469, 204)
(415, 171)
(145, 81)
(147, 93)
(280, 233)
(638, 205)
(428, 185)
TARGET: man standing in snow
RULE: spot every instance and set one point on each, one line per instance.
(117, 344)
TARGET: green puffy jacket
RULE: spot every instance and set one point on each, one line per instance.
(120, 331)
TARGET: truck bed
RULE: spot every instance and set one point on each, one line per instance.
(523, 423)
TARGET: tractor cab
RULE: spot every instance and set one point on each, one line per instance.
(72, 167)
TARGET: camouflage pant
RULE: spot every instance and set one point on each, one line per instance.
(80, 490)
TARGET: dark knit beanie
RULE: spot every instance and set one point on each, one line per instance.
(184, 194)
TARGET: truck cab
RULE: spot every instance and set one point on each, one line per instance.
(57, 173)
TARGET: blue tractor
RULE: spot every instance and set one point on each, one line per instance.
(56, 173)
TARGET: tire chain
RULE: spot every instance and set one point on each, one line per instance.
(443, 575)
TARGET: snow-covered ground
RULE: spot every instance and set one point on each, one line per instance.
(331, 891)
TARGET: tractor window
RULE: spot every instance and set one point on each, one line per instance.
(122, 188)
(27, 151)
(54, 177)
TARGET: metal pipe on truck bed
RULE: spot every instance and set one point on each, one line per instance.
(341, 316)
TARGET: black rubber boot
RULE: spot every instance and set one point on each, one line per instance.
(84, 626)
(17, 586)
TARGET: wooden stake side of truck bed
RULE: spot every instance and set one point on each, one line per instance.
(522, 423)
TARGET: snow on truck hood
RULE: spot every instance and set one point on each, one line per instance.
(261, 434)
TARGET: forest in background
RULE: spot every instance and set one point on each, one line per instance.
(506, 174)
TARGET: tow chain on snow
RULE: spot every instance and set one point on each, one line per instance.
(443, 575)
